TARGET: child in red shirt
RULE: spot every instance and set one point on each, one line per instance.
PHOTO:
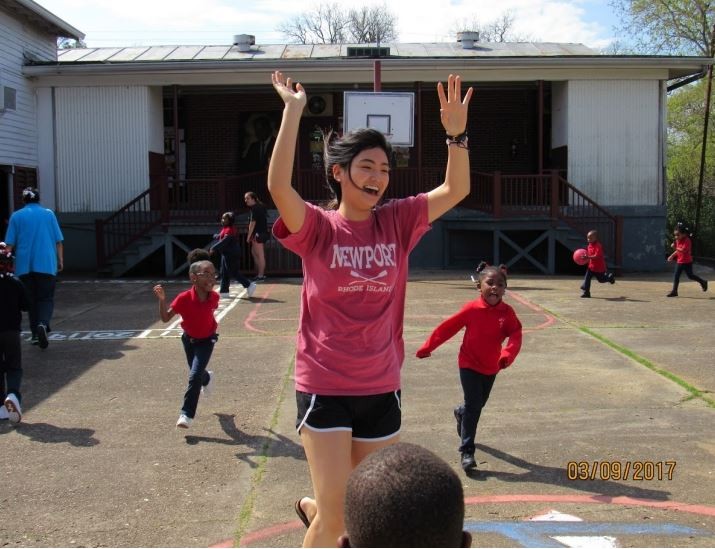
(596, 264)
(489, 321)
(196, 308)
(684, 258)
(227, 245)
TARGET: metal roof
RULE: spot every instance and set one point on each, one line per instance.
(317, 51)
(42, 18)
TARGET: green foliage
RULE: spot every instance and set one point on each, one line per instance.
(686, 110)
(678, 27)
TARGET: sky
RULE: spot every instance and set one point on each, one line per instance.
(108, 23)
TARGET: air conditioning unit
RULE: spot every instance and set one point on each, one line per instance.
(319, 105)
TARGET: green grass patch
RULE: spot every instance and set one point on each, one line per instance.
(694, 391)
(246, 511)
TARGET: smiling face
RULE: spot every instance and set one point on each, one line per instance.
(492, 286)
(363, 182)
(203, 276)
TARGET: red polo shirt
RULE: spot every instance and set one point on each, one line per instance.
(197, 317)
(598, 263)
(682, 250)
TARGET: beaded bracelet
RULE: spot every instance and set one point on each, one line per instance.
(460, 140)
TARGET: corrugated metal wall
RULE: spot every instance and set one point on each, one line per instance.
(18, 128)
(103, 144)
(615, 141)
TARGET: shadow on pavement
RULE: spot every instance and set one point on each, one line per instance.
(51, 434)
(557, 476)
(278, 444)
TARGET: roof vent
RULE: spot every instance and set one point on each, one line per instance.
(244, 41)
(368, 51)
(468, 38)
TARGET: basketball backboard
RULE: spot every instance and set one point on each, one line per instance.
(393, 114)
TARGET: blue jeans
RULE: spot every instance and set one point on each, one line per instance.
(686, 268)
(476, 388)
(41, 292)
(229, 270)
(10, 365)
(198, 352)
(601, 277)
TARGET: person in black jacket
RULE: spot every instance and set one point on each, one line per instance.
(13, 300)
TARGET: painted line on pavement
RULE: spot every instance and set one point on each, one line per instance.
(521, 527)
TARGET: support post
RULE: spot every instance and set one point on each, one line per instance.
(496, 194)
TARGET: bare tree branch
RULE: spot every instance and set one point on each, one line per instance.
(329, 24)
(500, 29)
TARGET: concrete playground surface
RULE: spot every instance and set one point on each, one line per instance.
(601, 434)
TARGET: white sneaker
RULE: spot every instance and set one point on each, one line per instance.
(209, 387)
(4, 415)
(14, 411)
(224, 294)
(184, 422)
(251, 289)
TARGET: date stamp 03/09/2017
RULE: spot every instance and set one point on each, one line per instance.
(620, 470)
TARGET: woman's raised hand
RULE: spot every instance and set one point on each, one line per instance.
(452, 109)
(289, 95)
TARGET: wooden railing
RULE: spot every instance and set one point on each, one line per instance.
(500, 195)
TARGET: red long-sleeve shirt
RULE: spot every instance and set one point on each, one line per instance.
(486, 329)
(683, 251)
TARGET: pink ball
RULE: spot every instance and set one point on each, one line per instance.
(580, 256)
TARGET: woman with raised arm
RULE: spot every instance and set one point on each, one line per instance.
(349, 346)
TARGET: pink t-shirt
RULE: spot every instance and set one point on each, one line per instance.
(353, 296)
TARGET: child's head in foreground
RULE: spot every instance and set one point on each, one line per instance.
(403, 495)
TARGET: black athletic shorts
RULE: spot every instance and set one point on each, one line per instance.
(370, 418)
(262, 237)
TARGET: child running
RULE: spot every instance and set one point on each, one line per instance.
(14, 300)
(196, 308)
(684, 259)
(488, 321)
(355, 258)
(596, 264)
(228, 247)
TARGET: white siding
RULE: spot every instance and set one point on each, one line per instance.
(18, 128)
(103, 144)
(156, 120)
(615, 140)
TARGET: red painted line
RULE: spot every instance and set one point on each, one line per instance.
(550, 319)
(619, 500)
(254, 313)
(262, 534)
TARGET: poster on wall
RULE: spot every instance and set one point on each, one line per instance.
(257, 137)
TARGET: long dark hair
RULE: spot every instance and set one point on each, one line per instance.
(342, 151)
(254, 196)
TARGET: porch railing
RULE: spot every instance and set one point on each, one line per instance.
(500, 195)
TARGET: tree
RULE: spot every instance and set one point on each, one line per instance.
(679, 27)
(682, 27)
(686, 109)
(329, 24)
(70, 43)
(372, 24)
(500, 29)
